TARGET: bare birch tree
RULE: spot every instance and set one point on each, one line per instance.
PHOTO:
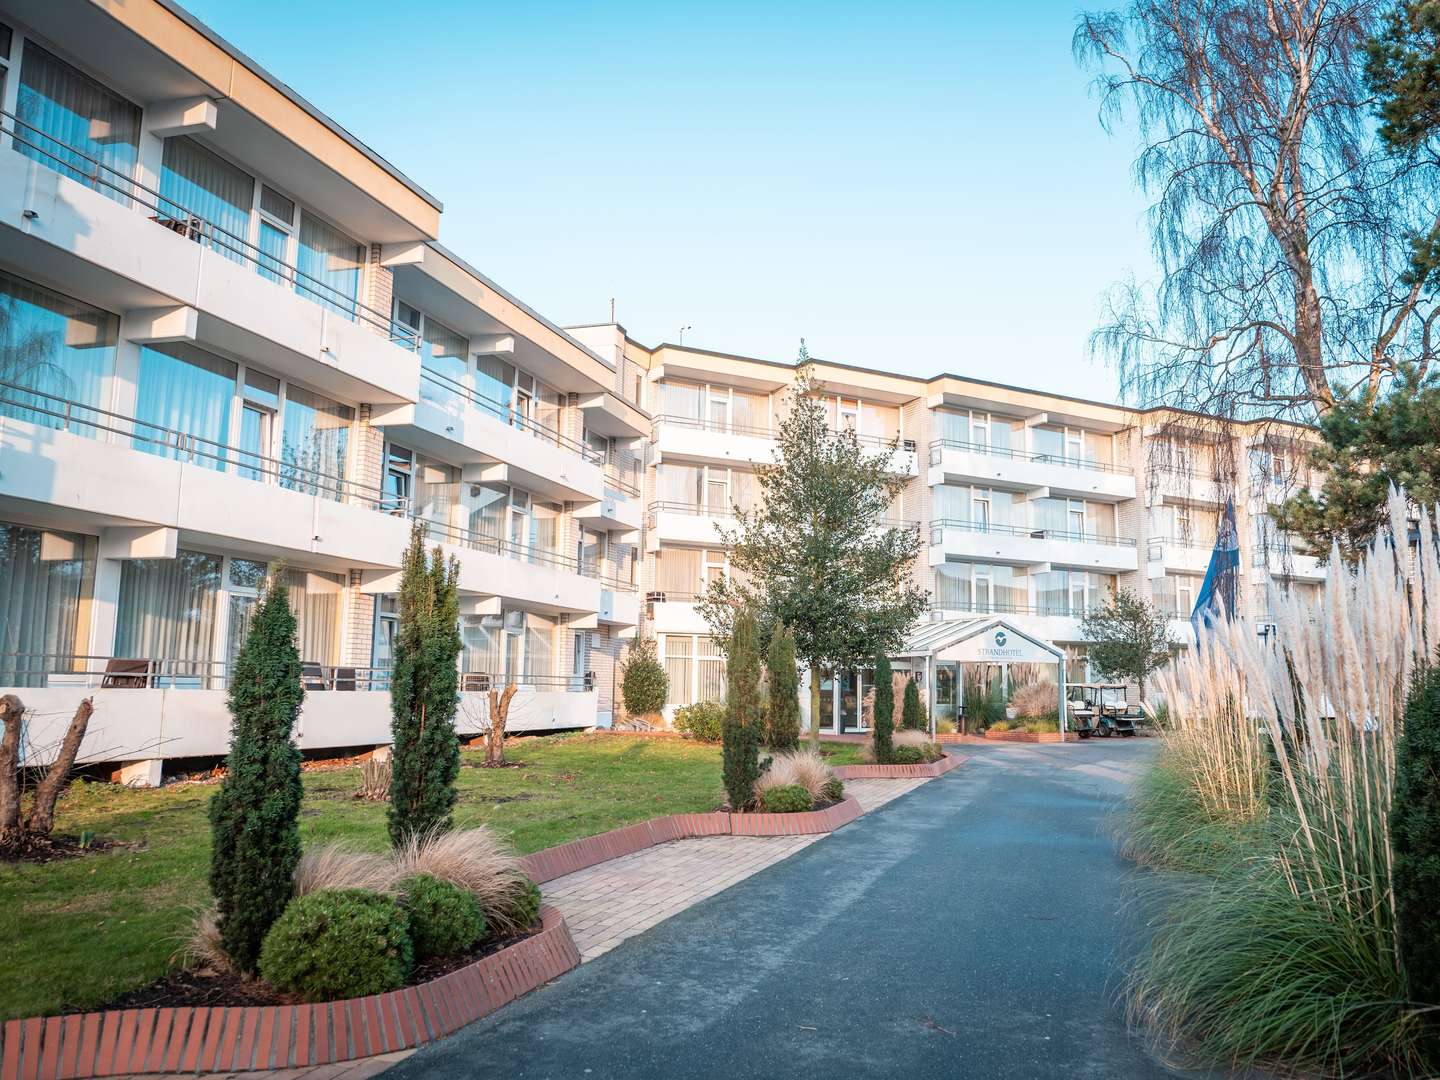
(1282, 226)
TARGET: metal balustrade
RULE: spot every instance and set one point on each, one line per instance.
(936, 527)
(62, 414)
(998, 607)
(509, 417)
(1022, 455)
(60, 670)
(166, 212)
(726, 427)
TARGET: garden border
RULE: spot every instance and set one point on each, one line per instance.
(232, 1039)
(1032, 736)
(927, 771)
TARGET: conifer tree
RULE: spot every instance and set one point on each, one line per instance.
(783, 688)
(912, 713)
(424, 693)
(255, 816)
(740, 732)
(883, 724)
(1415, 838)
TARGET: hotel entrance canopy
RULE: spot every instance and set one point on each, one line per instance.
(981, 640)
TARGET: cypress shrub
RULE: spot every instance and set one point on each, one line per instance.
(1415, 838)
(255, 816)
(644, 686)
(740, 734)
(884, 722)
(424, 693)
(783, 690)
(912, 713)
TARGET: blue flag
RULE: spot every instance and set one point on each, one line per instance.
(1217, 592)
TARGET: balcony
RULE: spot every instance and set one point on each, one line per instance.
(118, 469)
(683, 438)
(526, 575)
(1017, 545)
(686, 523)
(1166, 554)
(619, 604)
(493, 443)
(675, 613)
(177, 276)
(956, 462)
(1166, 484)
(1284, 562)
(1050, 622)
(165, 708)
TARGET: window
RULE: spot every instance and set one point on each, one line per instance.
(243, 581)
(6, 38)
(46, 581)
(166, 611)
(399, 476)
(443, 358)
(184, 391)
(679, 650)
(68, 122)
(314, 444)
(329, 266)
(197, 184)
(315, 597)
(53, 350)
(495, 382)
(277, 223)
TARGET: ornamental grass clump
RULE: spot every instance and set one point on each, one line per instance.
(1288, 952)
(804, 768)
(479, 862)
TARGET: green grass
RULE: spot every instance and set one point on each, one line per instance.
(78, 932)
(842, 753)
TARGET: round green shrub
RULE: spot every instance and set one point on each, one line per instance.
(701, 721)
(834, 789)
(445, 919)
(527, 908)
(786, 799)
(908, 755)
(338, 943)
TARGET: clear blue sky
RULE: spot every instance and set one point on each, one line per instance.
(915, 186)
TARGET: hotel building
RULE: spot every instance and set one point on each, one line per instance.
(229, 335)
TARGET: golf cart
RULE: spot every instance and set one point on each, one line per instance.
(1100, 709)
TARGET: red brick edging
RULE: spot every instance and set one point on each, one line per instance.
(589, 851)
(1031, 736)
(284, 1036)
(899, 772)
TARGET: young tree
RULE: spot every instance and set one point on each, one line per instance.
(499, 702)
(644, 686)
(1415, 837)
(424, 693)
(740, 733)
(255, 816)
(1281, 224)
(816, 553)
(912, 713)
(1366, 449)
(782, 687)
(884, 721)
(1128, 638)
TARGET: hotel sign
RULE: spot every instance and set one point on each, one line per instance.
(997, 645)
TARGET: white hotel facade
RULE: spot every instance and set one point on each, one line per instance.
(229, 334)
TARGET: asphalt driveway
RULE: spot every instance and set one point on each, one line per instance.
(969, 929)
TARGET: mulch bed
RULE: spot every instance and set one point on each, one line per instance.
(45, 849)
(203, 987)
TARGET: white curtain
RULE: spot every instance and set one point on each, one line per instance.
(40, 601)
(167, 609)
(480, 641)
(329, 266)
(539, 645)
(315, 600)
(315, 437)
(196, 183)
(77, 119)
(677, 571)
(677, 648)
(185, 390)
(495, 382)
(710, 667)
(54, 346)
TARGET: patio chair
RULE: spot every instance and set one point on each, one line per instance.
(126, 674)
(312, 676)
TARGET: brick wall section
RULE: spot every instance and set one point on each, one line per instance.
(356, 644)
(369, 452)
(378, 287)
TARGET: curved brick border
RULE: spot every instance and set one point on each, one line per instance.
(899, 772)
(589, 851)
(284, 1036)
(1031, 736)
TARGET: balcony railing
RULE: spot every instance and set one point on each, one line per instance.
(1001, 607)
(494, 545)
(62, 414)
(508, 416)
(936, 527)
(56, 670)
(726, 427)
(166, 212)
(670, 506)
(623, 476)
(1022, 455)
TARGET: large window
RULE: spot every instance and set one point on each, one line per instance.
(46, 580)
(314, 444)
(315, 597)
(166, 611)
(69, 122)
(329, 265)
(58, 348)
(518, 645)
(695, 665)
(443, 354)
(981, 587)
(198, 184)
(184, 391)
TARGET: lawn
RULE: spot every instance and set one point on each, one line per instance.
(76, 933)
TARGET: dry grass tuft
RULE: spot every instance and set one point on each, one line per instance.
(1036, 701)
(202, 948)
(804, 767)
(910, 738)
(475, 860)
(339, 866)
